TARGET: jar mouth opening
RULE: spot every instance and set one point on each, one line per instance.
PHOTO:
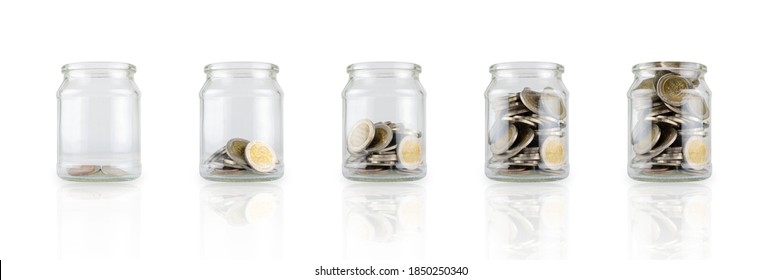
(384, 65)
(241, 65)
(99, 65)
(527, 65)
(659, 65)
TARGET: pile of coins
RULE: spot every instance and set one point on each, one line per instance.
(242, 157)
(528, 136)
(96, 171)
(383, 147)
(671, 132)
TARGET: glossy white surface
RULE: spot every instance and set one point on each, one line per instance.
(164, 222)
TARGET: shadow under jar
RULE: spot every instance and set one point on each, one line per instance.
(526, 123)
(98, 122)
(241, 122)
(669, 122)
(384, 122)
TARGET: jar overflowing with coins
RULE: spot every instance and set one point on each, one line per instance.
(526, 123)
(98, 122)
(384, 122)
(241, 122)
(669, 122)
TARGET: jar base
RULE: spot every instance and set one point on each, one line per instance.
(99, 173)
(673, 176)
(391, 176)
(529, 176)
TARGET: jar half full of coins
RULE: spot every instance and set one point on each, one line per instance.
(241, 122)
(384, 134)
(669, 122)
(526, 123)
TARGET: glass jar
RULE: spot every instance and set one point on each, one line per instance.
(669, 122)
(384, 122)
(241, 122)
(98, 122)
(526, 123)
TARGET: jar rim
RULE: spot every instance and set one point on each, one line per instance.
(684, 65)
(99, 65)
(387, 65)
(241, 65)
(527, 65)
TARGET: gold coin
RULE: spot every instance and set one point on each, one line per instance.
(554, 153)
(410, 152)
(671, 89)
(235, 149)
(696, 153)
(260, 156)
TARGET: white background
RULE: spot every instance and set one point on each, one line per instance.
(313, 42)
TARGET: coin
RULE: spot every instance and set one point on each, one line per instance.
(643, 139)
(112, 171)
(360, 136)
(552, 104)
(83, 170)
(382, 137)
(235, 150)
(696, 106)
(668, 136)
(260, 156)
(525, 137)
(696, 153)
(670, 89)
(216, 154)
(530, 99)
(553, 153)
(410, 152)
(503, 135)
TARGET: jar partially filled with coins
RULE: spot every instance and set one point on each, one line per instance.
(241, 122)
(98, 122)
(669, 122)
(384, 122)
(526, 123)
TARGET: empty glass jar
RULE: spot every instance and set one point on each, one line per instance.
(241, 122)
(669, 122)
(526, 122)
(384, 122)
(98, 122)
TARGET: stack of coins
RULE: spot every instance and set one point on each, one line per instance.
(383, 147)
(96, 171)
(671, 132)
(242, 157)
(528, 135)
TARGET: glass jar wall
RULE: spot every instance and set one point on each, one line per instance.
(526, 123)
(669, 122)
(98, 122)
(241, 122)
(384, 122)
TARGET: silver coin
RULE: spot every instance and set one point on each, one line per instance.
(522, 119)
(696, 106)
(663, 119)
(644, 138)
(360, 136)
(216, 154)
(669, 135)
(235, 150)
(502, 136)
(552, 104)
(112, 171)
(530, 99)
(383, 135)
(83, 170)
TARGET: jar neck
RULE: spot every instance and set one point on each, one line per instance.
(659, 68)
(241, 73)
(527, 73)
(384, 73)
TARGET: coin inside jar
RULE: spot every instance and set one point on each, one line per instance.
(530, 99)
(552, 104)
(83, 170)
(644, 139)
(553, 152)
(696, 106)
(696, 153)
(235, 150)
(503, 134)
(410, 152)
(671, 89)
(260, 156)
(382, 137)
(112, 171)
(360, 136)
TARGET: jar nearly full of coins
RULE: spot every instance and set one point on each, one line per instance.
(526, 123)
(384, 122)
(98, 122)
(241, 122)
(669, 122)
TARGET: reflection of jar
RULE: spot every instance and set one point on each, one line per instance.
(526, 122)
(669, 122)
(384, 122)
(98, 122)
(241, 122)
